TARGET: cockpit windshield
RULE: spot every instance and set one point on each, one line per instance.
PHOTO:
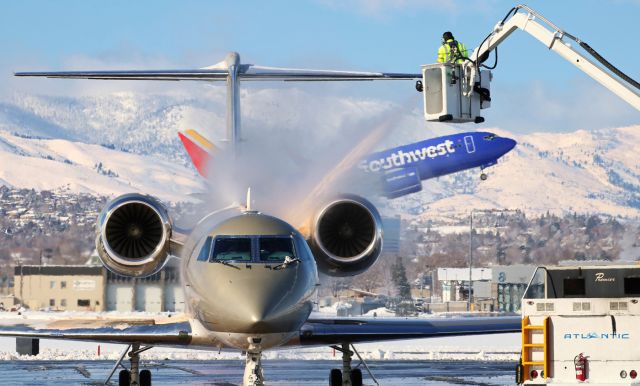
(265, 249)
(489, 137)
(232, 248)
(275, 249)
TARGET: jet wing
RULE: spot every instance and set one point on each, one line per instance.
(173, 331)
(252, 72)
(204, 74)
(245, 72)
(357, 330)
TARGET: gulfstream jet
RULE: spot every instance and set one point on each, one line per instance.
(249, 278)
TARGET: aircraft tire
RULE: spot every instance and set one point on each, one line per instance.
(145, 378)
(483, 177)
(335, 377)
(124, 378)
(356, 377)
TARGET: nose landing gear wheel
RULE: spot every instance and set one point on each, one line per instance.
(483, 177)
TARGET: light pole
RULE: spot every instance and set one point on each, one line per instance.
(470, 297)
(469, 302)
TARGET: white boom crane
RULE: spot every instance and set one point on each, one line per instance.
(457, 92)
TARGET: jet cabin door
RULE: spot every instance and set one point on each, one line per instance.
(468, 141)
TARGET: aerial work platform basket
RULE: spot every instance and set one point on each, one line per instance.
(450, 95)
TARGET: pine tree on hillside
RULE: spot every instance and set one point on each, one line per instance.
(399, 277)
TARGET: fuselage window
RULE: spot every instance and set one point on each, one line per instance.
(232, 248)
(275, 248)
(206, 250)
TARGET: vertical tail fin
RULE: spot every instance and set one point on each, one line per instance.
(200, 149)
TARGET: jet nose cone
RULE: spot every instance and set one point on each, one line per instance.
(258, 313)
(266, 314)
(508, 144)
(270, 300)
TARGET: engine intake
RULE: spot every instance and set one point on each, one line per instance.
(347, 236)
(133, 235)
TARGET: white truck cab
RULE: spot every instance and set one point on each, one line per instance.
(581, 324)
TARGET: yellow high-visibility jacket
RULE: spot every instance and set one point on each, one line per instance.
(444, 52)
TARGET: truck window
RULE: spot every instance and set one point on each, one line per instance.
(536, 288)
(574, 287)
(632, 285)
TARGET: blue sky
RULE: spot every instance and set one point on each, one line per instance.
(533, 88)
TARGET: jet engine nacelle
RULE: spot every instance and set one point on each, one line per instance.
(346, 236)
(133, 235)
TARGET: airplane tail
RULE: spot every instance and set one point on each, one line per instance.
(200, 149)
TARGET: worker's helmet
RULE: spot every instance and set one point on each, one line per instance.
(447, 35)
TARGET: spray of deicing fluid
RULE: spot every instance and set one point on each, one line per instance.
(291, 170)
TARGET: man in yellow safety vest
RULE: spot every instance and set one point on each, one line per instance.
(451, 50)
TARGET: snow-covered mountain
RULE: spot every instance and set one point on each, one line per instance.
(58, 164)
(126, 141)
(124, 120)
(584, 172)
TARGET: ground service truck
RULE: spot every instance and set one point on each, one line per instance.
(580, 324)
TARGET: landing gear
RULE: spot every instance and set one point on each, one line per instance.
(253, 375)
(356, 377)
(123, 378)
(483, 175)
(335, 377)
(145, 378)
(132, 376)
(348, 376)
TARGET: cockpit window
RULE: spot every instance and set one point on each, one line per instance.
(206, 250)
(275, 248)
(232, 248)
(490, 137)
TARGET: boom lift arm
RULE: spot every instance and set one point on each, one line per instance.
(554, 38)
(457, 92)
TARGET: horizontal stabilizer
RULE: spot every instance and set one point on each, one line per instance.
(200, 149)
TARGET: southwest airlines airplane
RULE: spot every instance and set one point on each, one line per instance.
(403, 168)
(249, 279)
